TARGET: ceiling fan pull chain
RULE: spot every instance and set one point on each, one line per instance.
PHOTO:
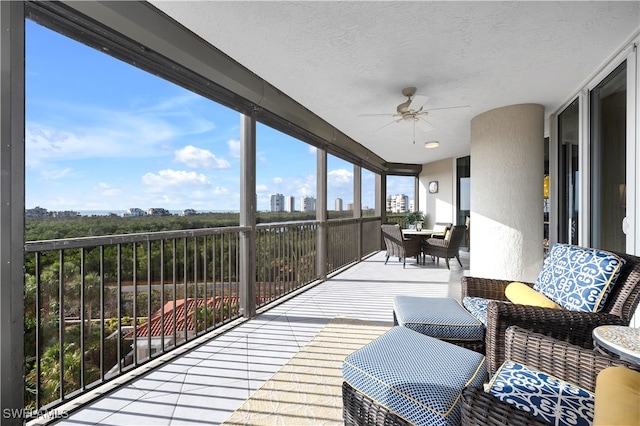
(414, 132)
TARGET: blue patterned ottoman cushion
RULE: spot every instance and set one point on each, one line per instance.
(477, 306)
(418, 377)
(578, 278)
(439, 317)
(546, 397)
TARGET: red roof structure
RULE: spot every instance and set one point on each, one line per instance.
(176, 315)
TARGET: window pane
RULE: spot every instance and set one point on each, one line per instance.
(368, 193)
(400, 193)
(339, 188)
(285, 176)
(103, 136)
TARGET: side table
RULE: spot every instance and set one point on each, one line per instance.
(620, 340)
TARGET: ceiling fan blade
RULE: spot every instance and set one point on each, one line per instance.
(389, 123)
(424, 125)
(375, 115)
(452, 107)
(417, 102)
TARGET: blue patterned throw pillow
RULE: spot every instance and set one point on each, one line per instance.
(577, 278)
(546, 397)
(477, 306)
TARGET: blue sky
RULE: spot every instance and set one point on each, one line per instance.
(104, 135)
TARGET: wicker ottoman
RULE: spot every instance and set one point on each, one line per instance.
(404, 377)
(441, 317)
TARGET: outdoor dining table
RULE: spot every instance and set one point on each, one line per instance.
(423, 233)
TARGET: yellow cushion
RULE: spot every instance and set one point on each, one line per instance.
(522, 294)
(439, 229)
(617, 399)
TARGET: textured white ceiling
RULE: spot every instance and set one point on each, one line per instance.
(345, 59)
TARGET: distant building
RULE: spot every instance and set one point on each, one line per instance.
(42, 213)
(350, 206)
(290, 203)
(158, 211)
(307, 204)
(188, 212)
(134, 212)
(397, 203)
(65, 214)
(36, 213)
(277, 202)
(338, 207)
(412, 206)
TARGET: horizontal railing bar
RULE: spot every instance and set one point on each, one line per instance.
(268, 225)
(71, 243)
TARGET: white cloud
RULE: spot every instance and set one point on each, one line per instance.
(81, 131)
(219, 190)
(165, 180)
(53, 174)
(339, 177)
(234, 148)
(199, 158)
(312, 150)
(107, 190)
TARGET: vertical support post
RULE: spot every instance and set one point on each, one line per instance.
(321, 214)
(416, 194)
(357, 207)
(12, 89)
(381, 201)
(248, 215)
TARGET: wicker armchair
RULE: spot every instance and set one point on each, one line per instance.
(398, 246)
(441, 228)
(570, 326)
(565, 361)
(447, 248)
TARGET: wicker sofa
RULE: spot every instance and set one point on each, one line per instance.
(571, 363)
(570, 326)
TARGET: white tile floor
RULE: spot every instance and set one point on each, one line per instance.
(208, 383)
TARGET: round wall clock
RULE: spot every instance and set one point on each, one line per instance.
(433, 186)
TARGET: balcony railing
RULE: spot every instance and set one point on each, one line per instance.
(97, 307)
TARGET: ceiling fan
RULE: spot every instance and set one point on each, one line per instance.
(412, 111)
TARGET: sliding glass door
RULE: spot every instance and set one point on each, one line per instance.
(608, 130)
(568, 176)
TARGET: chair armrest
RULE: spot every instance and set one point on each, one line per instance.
(570, 326)
(481, 409)
(568, 362)
(485, 287)
(438, 242)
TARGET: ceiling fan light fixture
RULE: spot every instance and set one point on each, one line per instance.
(431, 144)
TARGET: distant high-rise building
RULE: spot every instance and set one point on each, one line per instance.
(307, 204)
(277, 203)
(338, 204)
(397, 203)
(412, 206)
(290, 203)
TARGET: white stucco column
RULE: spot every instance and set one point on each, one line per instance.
(507, 171)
